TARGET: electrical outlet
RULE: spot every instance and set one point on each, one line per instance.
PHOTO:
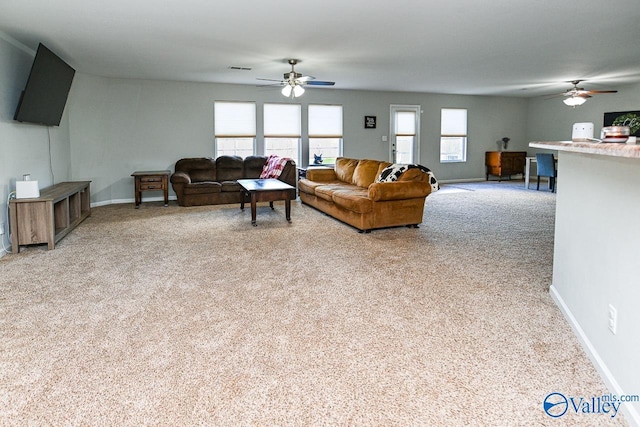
(613, 319)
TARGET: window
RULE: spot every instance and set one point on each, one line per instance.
(453, 135)
(234, 127)
(325, 134)
(282, 130)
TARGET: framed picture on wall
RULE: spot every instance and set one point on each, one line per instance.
(369, 122)
(624, 118)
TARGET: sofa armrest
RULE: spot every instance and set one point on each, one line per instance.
(398, 190)
(321, 175)
(180, 178)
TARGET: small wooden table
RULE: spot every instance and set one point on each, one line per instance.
(151, 181)
(266, 190)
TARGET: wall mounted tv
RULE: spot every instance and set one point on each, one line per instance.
(47, 89)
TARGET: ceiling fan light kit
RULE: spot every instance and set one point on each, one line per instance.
(292, 90)
(574, 101)
(293, 82)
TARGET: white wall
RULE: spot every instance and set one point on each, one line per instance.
(596, 263)
(118, 126)
(25, 148)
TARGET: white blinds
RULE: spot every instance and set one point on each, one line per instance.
(405, 123)
(234, 119)
(325, 121)
(453, 122)
(282, 120)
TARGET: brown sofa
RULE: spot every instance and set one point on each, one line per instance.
(206, 181)
(349, 193)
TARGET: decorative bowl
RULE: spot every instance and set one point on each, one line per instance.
(618, 134)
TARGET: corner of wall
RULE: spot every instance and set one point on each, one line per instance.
(612, 384)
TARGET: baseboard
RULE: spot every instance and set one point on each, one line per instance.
(630, 412)
(453, 181)
(123, 201)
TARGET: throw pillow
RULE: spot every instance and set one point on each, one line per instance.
(393, 172)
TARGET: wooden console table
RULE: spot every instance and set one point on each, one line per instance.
(501, 163)
(50, 217)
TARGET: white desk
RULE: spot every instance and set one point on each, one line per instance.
(527, 169)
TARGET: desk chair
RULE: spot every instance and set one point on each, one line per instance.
(547, 167)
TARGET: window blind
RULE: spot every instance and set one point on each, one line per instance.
(325, 121)
(234, 119)
(405, 123)
(453, 122)
(282, 120)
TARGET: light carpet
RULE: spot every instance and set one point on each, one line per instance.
(191, 316)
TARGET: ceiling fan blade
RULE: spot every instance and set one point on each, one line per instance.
(272, 85)
(602, 91)
(319, 83)
(269, 80)
(305, 79)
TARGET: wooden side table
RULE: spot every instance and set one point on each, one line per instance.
(151, 181)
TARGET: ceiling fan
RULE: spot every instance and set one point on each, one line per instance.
(578, 95)
(293, 82)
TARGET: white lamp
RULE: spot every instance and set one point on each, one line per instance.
(286, 90)
(292, 90)
(574, 101)
(297, 91)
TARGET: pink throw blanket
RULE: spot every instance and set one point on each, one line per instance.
(273, 167)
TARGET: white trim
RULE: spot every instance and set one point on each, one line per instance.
(123, 201)
(629, 411)
(450, 181)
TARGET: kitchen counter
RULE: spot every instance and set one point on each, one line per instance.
(601, 148)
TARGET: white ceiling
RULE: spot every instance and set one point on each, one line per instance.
(494, 47)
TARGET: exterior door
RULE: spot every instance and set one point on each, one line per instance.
(404, 143)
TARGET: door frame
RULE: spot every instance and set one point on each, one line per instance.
(396, 108)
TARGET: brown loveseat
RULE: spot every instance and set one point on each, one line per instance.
(349, 193)
(206, 181)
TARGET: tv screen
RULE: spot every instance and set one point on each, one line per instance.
(45, 94)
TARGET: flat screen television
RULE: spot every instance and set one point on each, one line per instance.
(45, 94)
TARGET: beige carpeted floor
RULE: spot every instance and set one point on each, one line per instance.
(191, 316)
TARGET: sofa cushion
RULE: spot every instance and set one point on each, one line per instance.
(253, 166)
(309, 187)
(230, 186)
(229, 168)
(203, 187)
(197, 168)
(353, 200)
(326, 191)
(344, 169)
(365, 172)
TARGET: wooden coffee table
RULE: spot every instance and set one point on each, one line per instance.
(266, 190)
